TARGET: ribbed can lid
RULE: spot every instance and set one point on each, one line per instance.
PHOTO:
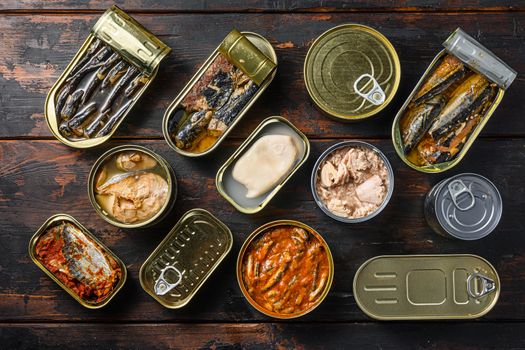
(468, 206)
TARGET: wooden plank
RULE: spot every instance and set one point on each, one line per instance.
(40, 178)
(452, 335)
(265, 6)
(36, 48)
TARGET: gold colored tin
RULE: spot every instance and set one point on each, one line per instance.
(261, 230)
(351, 72)
(233, 191)
(480, 60)
(191, 251)
(239, 51)
(55, 219)
(133, 43)
(426, 287)
(169, 176)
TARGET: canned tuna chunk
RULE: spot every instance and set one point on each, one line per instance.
(465, 206)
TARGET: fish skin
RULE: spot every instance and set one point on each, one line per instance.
(192, 129)
(73, 101)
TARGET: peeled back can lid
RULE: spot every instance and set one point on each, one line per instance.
(468, 206)
(352, 72)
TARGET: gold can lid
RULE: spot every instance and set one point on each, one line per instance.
(130, 39)
(352, 71)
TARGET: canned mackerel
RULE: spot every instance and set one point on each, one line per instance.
(352, 72)
(105, 79)
(465, 206)
(130, 186)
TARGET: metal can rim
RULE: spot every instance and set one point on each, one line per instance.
(326, 153)
(388, 46)
(261, 230)
(170, 178)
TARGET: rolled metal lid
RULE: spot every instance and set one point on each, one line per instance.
(352, 71)
(468, 206)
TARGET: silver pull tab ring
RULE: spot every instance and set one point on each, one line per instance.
(456, 188)
(479, 285)
(376, 95)
(162, 286)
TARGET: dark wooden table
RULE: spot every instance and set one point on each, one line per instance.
(39, 176)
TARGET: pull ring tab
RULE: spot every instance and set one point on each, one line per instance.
(162, 286)
(456, 188)
(376, 95)
(479, 285)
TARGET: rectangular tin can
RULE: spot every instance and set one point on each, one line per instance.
(230, 189)
(133, 43)
(426, 287)
(68, 218)
(480, 60)
(257, 65)
(169, 177)
(191, 251)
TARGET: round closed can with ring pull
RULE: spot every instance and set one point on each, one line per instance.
(351, 72)
(466, 206)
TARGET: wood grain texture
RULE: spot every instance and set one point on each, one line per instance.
(36, 48)
(40, 178)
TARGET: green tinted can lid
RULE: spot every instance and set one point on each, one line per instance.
(352, 71)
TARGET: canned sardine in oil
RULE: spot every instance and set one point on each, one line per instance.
(351, 72)
(465, 206)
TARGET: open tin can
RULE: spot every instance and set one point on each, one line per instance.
(234, 192)
(316, 182)
(116, 179)
(351, 72)
(107, 76)
(304, 267)
(449, 88)
(81, 253)
(219, 94)
(426, 287)
(184, 260)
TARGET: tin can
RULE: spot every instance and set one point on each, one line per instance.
(351, 72)
(247, 51)
(315, 176)
(426, 287)
(125, 42)
(260, 232)
(184, 260)
(163, 169)
(478, 59)
(233, 191)
(465, 206)
(64, 218)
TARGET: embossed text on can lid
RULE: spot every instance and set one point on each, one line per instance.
(468, 206)
(352, 71)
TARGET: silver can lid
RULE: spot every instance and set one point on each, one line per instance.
(468, 206)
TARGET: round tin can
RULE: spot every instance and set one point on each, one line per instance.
(315, 174)
(352, 72)
(260, 231)
(168, 175)
(466, 206)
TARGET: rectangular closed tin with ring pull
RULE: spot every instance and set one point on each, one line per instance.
(426, 287)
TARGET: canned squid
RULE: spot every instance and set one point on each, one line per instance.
(112, 69)
(450, 105)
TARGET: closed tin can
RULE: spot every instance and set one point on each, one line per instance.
(216, 98)
(436, 154)
(351, 72)
(107, 76)
(128, 179)
(316, 174)
(426, 287)
(465, 206)
(77, 241)
(286, 271)
(184, 260)
(234, 192)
